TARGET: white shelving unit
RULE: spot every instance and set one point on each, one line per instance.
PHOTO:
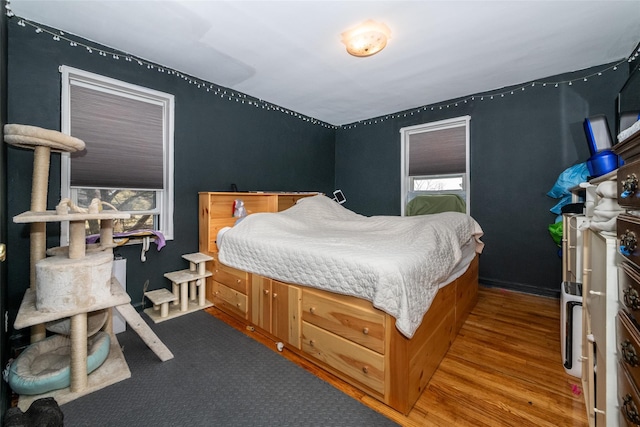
(591, 258)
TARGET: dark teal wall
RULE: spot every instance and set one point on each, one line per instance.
(519, 146)
(520, 143)
(5, 393)
(217, 142)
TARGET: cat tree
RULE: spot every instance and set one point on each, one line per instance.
(73, 282)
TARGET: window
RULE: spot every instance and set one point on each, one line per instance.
(435, 159)
(128, 160)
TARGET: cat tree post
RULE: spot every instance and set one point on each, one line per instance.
(106, 240)
(77, 247)
(79, 378)
(106, 232)
(38, 232)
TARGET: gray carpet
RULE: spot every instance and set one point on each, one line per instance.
(219, 377)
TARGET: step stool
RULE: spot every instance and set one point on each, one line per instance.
(188, 289)
(161, 299)
(193, 278)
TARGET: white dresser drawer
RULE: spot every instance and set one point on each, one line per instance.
(629, 290)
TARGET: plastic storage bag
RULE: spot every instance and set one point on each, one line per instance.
(556, 232)
(568, 179)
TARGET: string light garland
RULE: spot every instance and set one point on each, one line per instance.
(242, 98)
(230, 95)
(493, 95)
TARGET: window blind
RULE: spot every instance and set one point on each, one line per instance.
(438, 152)
(123, 137)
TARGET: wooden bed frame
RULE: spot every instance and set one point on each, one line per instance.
(344, 335)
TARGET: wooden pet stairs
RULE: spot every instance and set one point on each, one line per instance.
(189, 288)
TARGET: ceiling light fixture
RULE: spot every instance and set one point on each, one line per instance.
(366, 39)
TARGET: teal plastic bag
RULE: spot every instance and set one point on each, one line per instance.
(568, 179)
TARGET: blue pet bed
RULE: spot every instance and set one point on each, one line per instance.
(45, 365)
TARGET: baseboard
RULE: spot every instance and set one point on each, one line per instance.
(519, 287)
(139, 306)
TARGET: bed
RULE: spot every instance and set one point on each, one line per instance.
(377, 300)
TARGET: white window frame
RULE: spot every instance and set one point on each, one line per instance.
(405, 136)
(412, 180)
(165, 197)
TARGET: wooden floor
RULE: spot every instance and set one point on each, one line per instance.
(503, 369)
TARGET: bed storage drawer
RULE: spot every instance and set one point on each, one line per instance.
(229, 299)
(363, 365)
(235, 279)
(227, 289)
(351, 318)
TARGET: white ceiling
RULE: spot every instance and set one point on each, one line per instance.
(289, 53)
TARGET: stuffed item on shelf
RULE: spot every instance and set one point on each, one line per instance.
(606, 211)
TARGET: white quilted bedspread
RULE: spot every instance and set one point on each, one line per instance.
(397, 263)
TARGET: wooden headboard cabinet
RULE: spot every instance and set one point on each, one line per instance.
(216, 211)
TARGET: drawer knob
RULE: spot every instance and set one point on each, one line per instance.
(630, 410)
(266, 291)
(629, 353)
(365, 331)
(312, 343)
(275, 295)
(631, 298)
(628, 242)
(629, 186)
(365, 369)
(312, 310)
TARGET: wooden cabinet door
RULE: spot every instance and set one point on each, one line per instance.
(261, 302)
(285, 312)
